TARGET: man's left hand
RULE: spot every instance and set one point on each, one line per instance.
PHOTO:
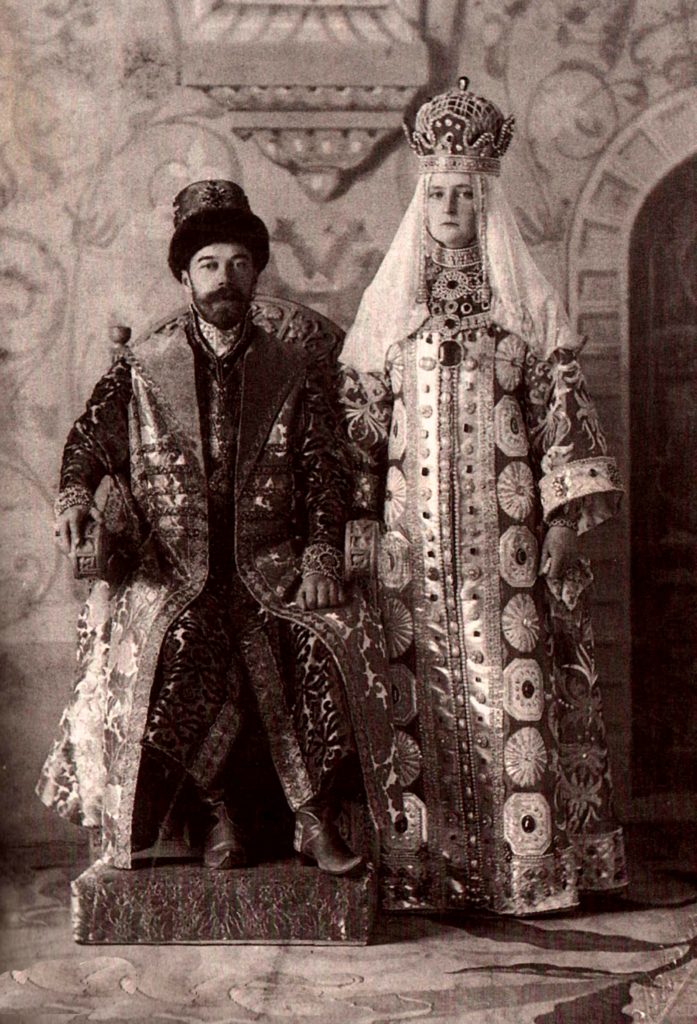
(559, 552)
(318, 591)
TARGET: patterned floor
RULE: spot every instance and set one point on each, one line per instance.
(631, 959)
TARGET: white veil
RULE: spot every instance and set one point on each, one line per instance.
(522, 300)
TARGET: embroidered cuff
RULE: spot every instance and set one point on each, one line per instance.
(73, 496)
(592, 484)
(324, 559)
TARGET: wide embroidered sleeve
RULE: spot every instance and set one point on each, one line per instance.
(98, 441)
(321, 466)
(575, 472)
(366, 399)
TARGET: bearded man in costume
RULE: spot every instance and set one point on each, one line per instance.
(482, 451)
(218, 447)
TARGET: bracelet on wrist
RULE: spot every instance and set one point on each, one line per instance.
(324, 559)
(564, 521)
(73, 496)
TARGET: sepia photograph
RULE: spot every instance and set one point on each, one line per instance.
(349, 548)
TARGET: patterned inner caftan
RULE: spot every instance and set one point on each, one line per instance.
(470, 440)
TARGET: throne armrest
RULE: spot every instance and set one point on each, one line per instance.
(112, 536)
(362, 553)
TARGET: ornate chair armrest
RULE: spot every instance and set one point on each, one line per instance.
(362, 551)
(112, 535)
(90, 557)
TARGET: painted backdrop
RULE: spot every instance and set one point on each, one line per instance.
(111, 108)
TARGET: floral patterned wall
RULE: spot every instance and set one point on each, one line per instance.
(100, 133)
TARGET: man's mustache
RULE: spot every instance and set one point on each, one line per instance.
(226, 295)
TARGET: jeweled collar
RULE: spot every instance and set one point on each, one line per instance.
(219, 341)
(458, 258)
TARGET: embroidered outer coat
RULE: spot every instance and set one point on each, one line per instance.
(496, 698)
(91, 773)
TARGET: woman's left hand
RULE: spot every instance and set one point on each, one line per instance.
(560, 551)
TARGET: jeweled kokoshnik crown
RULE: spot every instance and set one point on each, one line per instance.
(459, 131)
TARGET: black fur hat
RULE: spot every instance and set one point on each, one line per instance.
(206, 212)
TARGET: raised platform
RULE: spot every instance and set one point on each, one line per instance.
(172, 904)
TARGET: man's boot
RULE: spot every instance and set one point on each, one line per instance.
(318, 839)
(226, 844)
(158, 791)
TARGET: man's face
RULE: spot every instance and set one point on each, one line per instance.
(220, 281)
(450, 211)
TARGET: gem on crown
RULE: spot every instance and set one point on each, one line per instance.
(459, 131)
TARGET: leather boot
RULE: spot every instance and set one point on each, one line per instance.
(158, 790)
(317, 838)
(225, 845)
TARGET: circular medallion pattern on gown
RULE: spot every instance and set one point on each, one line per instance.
(403, 687)
(523, 693)
(509, 428)
(398, 430)
(409, 757)
(527, 823)
(399, 626)
(515, 489)
(518, 557)
(394, 362)
(525, 756)
(395, 496)
(520, 623)
(509, 362)
(394, 560)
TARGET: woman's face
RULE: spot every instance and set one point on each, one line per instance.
(450, 209)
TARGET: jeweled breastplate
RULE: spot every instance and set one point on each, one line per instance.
(458, 299)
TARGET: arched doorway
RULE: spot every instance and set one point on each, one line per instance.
(604, 298)
(663, 430)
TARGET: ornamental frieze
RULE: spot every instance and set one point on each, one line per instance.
(320, 87)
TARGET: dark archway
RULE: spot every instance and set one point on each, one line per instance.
(663, 432)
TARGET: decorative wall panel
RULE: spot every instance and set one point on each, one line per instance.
(320, 87)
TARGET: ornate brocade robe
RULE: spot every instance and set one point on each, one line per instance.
(465, 446)
(285, 481)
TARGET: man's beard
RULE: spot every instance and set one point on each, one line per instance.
(225, 308)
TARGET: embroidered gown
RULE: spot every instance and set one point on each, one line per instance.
(470, 441)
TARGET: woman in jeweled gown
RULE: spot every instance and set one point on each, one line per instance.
(481, 450)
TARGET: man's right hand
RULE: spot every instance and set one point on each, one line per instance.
(70, 528)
